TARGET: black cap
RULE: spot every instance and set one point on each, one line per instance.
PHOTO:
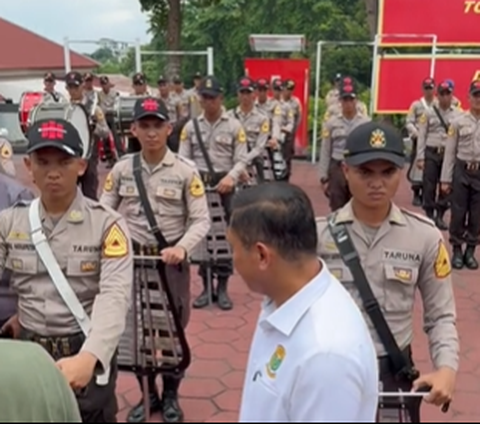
(162, 80)
(150, 107)
(57, 133)
(428, 84)
(177, 79)
(74, 79)
(262, 84)
(347, 88)
(444, 88)
(289, 84)
(139, 78)
(277, 84)
(246, 84)
(104, 80)
(197, 75)
(49, 76)
(474, 87)
(210, 86)
(373, 141)
(88, 76)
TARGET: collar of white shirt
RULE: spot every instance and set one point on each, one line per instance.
(285, 318)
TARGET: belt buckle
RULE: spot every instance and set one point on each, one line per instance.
(472, 166)
(440, 150)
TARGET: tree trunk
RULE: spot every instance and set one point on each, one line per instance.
(372, 16)
(174, 31)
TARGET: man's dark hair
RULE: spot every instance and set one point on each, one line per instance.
(277, 214)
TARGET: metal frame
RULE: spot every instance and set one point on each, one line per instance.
(139, 53)
(279, 37)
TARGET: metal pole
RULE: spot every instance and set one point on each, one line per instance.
(138, 55)
(373, 82)
(210, 65)
(318, 64)
(66, 55)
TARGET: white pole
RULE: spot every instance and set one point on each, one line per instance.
(66, 55)
(210, 66)
(138, 55)
(373, 78)
(316, 101)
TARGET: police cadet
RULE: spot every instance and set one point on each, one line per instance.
(6, 154)
(416, 111)
(372, 245)
(225, 145)
(335, 108)
(180, 96)
(172, 103)
(461, 176)
(181, 212)
(89, 180)
(50, 95)
(139, 85)
(72, 269)
(332, 97)
(194, 102)
(455, 100)
(255, 122)
(89, 91)
(433, 128)
(334, 133)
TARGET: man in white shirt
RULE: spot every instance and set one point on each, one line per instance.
(312, 358)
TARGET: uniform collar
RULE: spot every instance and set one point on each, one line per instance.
(75, 213)
(168, 160)
(223, 117)
(285, 318)
(345, 215)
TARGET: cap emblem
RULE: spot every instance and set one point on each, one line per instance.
(208, 83)
(52, 131)
(377, 139)
(150, 105)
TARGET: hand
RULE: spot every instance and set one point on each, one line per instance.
(442, 383)
(445, 188)
(244, 177)
(226, 185)
(78, 369)
(173, 255)
(420, 164)
(273, 143)
(11, 328)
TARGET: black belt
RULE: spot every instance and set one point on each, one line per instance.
(210, 180)
(56, 346)
(469, 166)
(440, 150)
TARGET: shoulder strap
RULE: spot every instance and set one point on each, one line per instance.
(440, 117)
(152, 223)
(205, 154)
(58, 278)
(350, 257)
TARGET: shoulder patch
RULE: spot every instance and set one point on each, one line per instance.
(442, 266)
(184, 134)
(422, 119)
(108, 185)
(418, 216)
(6, 151)
(99, 114)
(451, 131)
(277, 111)
(265, 127)
(241, 136)
(196, 189)
(115, 243)
(325, 133)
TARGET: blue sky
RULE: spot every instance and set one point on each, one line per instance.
(79, 19)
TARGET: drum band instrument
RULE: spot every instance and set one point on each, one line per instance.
(123, 113)
(74, 113)
(28, 101)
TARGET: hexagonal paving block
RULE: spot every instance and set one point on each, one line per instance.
(225, 322)
(234, 379)
(198, 410)
(203, 368)
(218, 351)
(202, 388)
(229, 400)
(219, 336)
(224, 417)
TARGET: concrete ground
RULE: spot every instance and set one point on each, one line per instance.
(220, 340)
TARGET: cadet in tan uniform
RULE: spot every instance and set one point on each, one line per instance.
(182, 216)
(255, 122)
(225, 143)
(433, 128)
(89, 180)
(332, 97)
(6, 155)
(334, 134)
(139, 85)
(417, 109)
(295, 106)
(399, 252)
(50, 95)
(461, 176)
(172, 103)
(194, 103)
(273, 109)
(89, 92)
(90, 244)
(180, 96)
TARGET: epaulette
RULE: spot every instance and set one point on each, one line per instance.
(183, 159)
(418, 216)
(22, 203)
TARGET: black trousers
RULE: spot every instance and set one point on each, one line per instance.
(433, 198)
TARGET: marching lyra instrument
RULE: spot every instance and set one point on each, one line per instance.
(28, 101)
(71, 112)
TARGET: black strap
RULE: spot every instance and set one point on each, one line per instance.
(205, 154)
(400, 367)
(152, 222)
(55, 97)
(439, 116)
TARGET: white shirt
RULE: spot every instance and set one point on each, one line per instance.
(311, 360)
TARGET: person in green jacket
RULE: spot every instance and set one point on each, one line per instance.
(32, 388)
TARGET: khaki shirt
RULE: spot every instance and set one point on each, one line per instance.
(431, 131)
(417, 109)
(55, 97)
(225, 142)
(183, 100)
(6, 157)
(273, 109)
(257, 127)
(336, 109)
(91, 244)
(295, 106)
(334, 136)
(176, 195)
(332, 97)
(146, 93)
(463, 143)
(106, 100)
(195, 108)
(407, 253)
(174, 108)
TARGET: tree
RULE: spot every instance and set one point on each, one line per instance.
(371, 7)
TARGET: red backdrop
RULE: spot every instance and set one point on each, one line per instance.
(399, 78)
(454, 22)
(295, 69)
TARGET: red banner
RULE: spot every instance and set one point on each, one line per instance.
(399, 78)
(454, 22)
(295, 69)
